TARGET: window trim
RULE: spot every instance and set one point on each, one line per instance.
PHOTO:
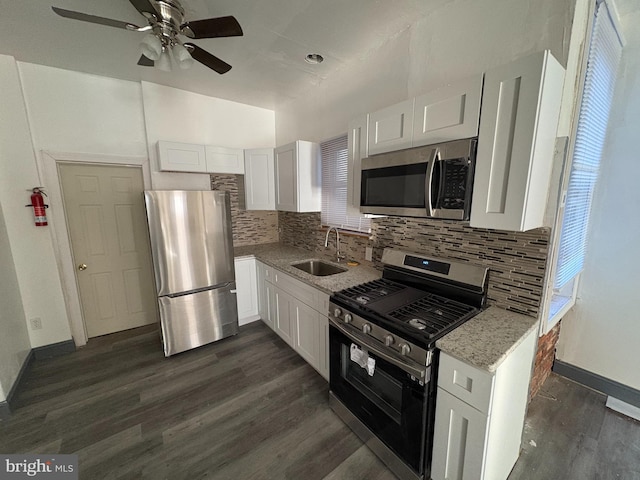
(547, 322)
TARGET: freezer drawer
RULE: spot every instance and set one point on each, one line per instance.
(189, 321)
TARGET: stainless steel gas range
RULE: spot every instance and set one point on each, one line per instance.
(383, 359)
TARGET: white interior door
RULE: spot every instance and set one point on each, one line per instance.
(110, 246)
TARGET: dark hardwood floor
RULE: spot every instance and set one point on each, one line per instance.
(248, 407)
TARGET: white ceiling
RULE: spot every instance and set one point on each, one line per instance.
(268, 61)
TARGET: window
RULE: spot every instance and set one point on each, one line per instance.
(334, 188)
(600, 78)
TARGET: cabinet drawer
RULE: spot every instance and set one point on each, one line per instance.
(269, 275)
(468, 383)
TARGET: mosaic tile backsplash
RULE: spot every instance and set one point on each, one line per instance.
(516, 260)
(249, 226)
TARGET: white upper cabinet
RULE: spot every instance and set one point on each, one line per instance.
(195, 158)
(448, 113)
(224, 160)
(357, 145)
(520, 109)
(391, 128)
(298, 177)
(181, 157)
(259, 179)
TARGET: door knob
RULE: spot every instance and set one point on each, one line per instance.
(82, 266)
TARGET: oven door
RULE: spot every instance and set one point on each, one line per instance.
(392, 403)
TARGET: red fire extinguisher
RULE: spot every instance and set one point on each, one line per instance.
(37, 202)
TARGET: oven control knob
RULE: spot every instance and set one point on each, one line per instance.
(389, 340)
(404, 349)
(348, 318)
(337, 312)
(366, 328)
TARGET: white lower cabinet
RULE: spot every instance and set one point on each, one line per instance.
(283, 320)
(246, 290)
(480, 416)
(297, 312)
(266, 295)
(463, 427)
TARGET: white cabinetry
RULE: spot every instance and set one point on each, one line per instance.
(191, 157)
(297, 312)
(181, 157)
(448, 113)
(259, 179)
(520, 109)
(266, 294)
(391, 128)
(298, 177)
(480, 416)
(357, 150)
(224, 160)
(246, 290)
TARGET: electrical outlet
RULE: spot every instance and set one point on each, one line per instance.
(368, 254)
(36, 323)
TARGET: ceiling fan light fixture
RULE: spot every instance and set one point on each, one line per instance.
(164, 62)
(182, 56)
(151, 47)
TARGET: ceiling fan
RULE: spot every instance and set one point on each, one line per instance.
(165, 20)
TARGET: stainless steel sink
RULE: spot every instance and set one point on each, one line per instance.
(319, 268)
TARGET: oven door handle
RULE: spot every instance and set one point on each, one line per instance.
(412, 368)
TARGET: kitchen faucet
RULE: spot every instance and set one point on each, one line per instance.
(339, 256)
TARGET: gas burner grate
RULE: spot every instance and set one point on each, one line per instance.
(370, 291)
(433, 315)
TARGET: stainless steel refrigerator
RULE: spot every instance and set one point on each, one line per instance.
(192, 250)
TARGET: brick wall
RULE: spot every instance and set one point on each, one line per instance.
(249, 226)
(545, 355)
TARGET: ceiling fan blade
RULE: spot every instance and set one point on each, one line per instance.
(212, 28)
(144, 6)
(208, 60)
(145, 62)
(94, 19)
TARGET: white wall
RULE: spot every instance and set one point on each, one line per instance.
(180, 116)
(77, 113)
(31, 246)
(14, 341)
(602, 332)
(460, 39)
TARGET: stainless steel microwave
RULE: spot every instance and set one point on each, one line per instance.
(432, 181)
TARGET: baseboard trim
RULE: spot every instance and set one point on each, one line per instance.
(623, 408)
(5, 407)
(597, 382)
(54, 350)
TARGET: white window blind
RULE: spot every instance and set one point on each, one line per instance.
(334, 188)
(604, 57)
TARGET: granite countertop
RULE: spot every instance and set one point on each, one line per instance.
(488, 338)
(282, 256)
(484, 341)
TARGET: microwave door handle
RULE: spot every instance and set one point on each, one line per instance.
(429, 180)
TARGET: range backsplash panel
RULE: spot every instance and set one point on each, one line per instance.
(250, 227)
(516, 260)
